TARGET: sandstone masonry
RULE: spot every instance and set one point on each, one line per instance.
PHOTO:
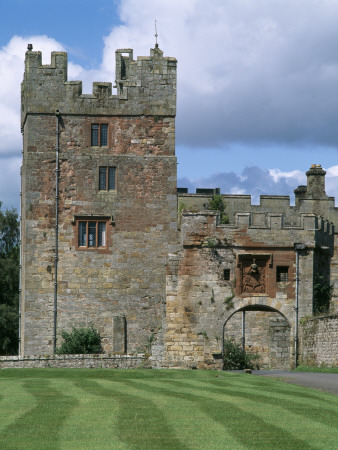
(118, 284)
(109, 240)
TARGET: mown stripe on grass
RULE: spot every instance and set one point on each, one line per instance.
(314, 420)
(192, 425)
(247, 428)
(140, 423)
(268, 385)
(40, 426)
(15, 401)
(292, 401)
(93, 422)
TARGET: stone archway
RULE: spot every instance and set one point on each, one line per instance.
(264, 330)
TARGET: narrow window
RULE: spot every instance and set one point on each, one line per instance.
(92, 234)
(107, 178)
(95, 135)
(103, 135)
(282, 274)
(99, 135)
(103, 178)
(226, 274)
(102, 234)
(82, 234)
(111, 178)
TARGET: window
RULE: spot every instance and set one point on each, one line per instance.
(226, 274)
(107, 178)
(92, 233)
(99, 135)
(282, 274)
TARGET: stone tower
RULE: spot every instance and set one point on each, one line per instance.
(99, 206)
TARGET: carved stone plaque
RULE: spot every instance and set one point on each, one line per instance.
(253, 276)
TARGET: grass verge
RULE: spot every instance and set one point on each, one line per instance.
(160, 409)
(317, 369)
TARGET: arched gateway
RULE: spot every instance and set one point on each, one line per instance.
(251, 278)
(263, 330)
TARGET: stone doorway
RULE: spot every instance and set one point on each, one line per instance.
(265, 331)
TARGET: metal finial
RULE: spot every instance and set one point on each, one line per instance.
(156, 35)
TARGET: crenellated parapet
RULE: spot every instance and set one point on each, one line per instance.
(146, 86)
(249, 230)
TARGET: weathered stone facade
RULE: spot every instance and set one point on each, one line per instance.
(124, 277)
(201, 303)
(102, 243)
(319, 341)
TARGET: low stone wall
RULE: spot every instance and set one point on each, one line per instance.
(75, 361)
(319, 341)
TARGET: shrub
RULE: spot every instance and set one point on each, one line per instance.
(322, 293)
(80, 341)
(235, 358)
(217, 204)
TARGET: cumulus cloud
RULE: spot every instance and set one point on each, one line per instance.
(10, 182)
(250, 73)
(263, 72)
(252, 181)
(255, 181)
(11, 75)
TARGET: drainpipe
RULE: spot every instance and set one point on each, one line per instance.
(298, 248)
(243, 331)
(56, 256)
(20, 250)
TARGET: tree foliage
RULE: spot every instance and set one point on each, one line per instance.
(217, 204)
(235, 358)
(322, 293)
(80, 341)
(9, 282)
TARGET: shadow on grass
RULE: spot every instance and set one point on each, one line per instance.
(140, 423)
(40, 426)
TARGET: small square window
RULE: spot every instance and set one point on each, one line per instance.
(107, 178)
(99, 135)
(92, 233)
(282, 274)
(226, 274)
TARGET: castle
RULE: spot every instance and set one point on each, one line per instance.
(108, 240)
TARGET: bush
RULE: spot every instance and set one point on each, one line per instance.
(217, 204)
(235, 358)
(80, 341)
(322, 295)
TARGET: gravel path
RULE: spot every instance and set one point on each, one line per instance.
(323, 381)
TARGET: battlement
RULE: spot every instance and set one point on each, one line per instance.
(146, 86)
(309, 198)
(264, 221)
(248, 230)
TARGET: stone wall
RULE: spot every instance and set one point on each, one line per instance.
(147, 88)
(319, 341)
(75, 361)
(126, 277)
(200, 300)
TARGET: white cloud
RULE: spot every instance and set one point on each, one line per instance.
(10, 181)
(255, 181)
(277, 175)
(11, 75)
(249, 72)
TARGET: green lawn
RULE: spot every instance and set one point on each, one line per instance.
(161, 409)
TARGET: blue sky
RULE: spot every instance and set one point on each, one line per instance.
(257, 81)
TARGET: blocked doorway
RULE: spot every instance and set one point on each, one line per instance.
(261, 330)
